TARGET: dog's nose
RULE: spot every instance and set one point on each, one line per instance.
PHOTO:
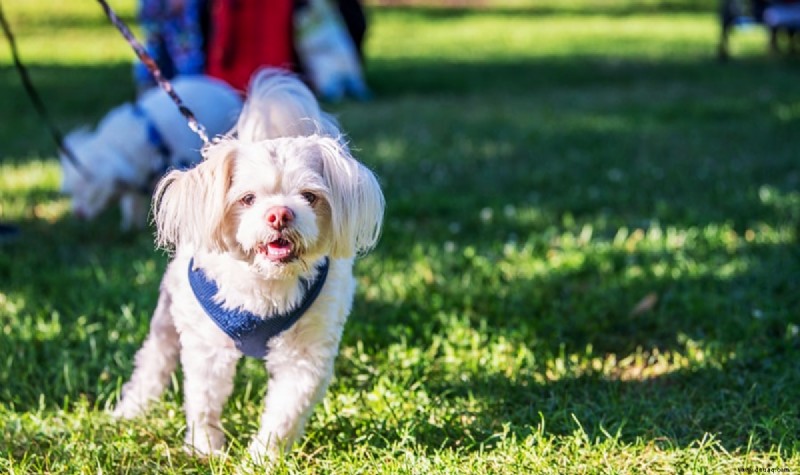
(278, 217)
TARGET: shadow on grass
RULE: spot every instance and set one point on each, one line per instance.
(674, 410)
(73, 96)
(78, 96)
(594, 303)
(77, 296)
(390, 78)
(737, 388)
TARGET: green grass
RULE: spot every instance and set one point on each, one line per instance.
(590, 262)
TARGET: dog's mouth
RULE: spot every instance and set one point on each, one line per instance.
(278, 250)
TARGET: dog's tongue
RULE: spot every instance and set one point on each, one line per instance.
(279, 249)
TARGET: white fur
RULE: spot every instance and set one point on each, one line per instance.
(277, 157)
(119, 157)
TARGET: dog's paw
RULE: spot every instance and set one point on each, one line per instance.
(204, 451)
(205, 443)
(259, 464)
(263, 453)
(127, 410)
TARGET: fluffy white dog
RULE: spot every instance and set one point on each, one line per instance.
(265, 230)
(136, 143)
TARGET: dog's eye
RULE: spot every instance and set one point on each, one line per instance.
(248, 199)
(310, 197)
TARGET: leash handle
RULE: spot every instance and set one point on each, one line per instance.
(38, 103)
(151, 66)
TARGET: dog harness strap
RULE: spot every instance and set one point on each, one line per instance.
(153, 135)
(249, 331)
(164, 151)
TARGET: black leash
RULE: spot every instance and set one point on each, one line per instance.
(37, 100)
(151, 65)
(148, 61)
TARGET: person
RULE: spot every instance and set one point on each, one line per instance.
(321, 42)
(328, 41)
(356, 22)
(173, 36)
(245, 35)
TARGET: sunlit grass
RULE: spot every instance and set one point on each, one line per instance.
(499, 36)
(67, 32)
(34, 175)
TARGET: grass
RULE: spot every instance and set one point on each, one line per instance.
(590, 262)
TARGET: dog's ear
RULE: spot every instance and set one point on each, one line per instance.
(356, 200)
(190, 206)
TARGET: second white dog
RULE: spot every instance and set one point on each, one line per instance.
(136, 143)
(266, 230)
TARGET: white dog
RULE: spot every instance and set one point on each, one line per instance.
(136, 143)
(265, 230)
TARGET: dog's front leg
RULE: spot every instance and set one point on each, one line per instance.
(208, 381)
(134, 207)
(155, 362)
(294, 388)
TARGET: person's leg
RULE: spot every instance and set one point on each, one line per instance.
(184, 40)
(148, 16)
(356, 21)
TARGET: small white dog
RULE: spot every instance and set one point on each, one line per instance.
(136, 143)
(265, 230)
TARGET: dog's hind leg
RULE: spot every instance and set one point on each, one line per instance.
(154, 362)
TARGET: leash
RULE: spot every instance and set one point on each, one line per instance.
(148, 61)
(151, 65)
(38, 103)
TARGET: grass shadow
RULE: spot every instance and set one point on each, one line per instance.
(73, 96)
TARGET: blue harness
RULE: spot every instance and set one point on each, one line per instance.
(249, 331)
(164, 151)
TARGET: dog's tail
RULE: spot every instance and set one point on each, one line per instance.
(280, 105)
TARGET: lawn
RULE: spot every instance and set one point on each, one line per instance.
(590, 259)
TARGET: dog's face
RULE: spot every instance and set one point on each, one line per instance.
(278, 204)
